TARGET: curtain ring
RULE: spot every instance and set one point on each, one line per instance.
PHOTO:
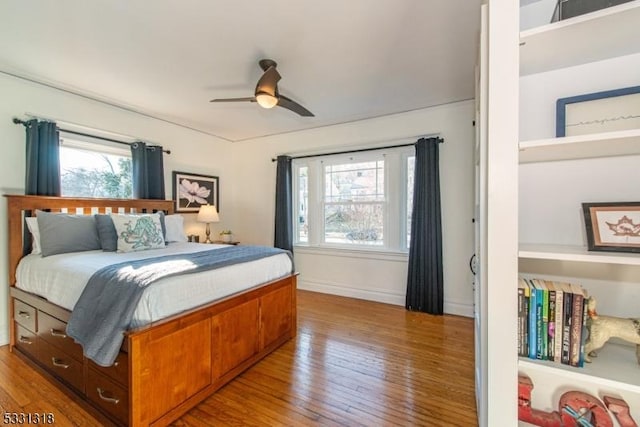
(134, 145)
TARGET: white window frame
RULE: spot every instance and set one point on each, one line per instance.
(97, 145)
(394, 206)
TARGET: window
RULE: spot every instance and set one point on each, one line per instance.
(361, 200)
(302, 179)
(410, 165)
(94, 169)
(353, 201)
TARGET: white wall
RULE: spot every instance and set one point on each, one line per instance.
(190, 151)
(247, 179)
(536, 14)
(538, 107)
(356, 274)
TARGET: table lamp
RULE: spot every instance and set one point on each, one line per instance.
(208, 214)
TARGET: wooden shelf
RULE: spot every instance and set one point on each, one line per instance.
(598, 36)
(576, 254)
(607, 144)
(616, 367)
(562, 44)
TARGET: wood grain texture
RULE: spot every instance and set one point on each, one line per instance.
(353, 362)
(171, 364)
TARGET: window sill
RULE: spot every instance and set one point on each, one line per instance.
(377, 254)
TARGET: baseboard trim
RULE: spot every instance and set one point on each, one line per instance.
(342, 290)
(346, 291)
(459, 309)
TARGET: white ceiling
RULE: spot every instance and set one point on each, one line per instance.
(344, 60)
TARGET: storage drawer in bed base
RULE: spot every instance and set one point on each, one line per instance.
(53, 331)
(169, 367)
(108, 395)
(26, 340)
(61, 365)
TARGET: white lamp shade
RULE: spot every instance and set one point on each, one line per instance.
(208, 213)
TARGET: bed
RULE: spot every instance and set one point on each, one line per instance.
(173, 357)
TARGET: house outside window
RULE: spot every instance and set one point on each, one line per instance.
(358, 201)
(92, 168)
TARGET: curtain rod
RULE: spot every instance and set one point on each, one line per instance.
(440, 141)
(73, 132)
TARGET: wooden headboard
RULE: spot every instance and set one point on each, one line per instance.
(19, 206)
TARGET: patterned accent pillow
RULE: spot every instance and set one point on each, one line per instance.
(138, 232)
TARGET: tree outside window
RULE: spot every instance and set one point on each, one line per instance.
(88, 173)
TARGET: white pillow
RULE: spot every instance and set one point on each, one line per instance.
(138, 232)
(175, 228)
(32, 225)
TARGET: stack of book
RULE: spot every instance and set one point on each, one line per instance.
(552, 321)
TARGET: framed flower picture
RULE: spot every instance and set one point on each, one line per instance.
(190, 191)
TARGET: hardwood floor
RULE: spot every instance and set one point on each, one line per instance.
(353, 362)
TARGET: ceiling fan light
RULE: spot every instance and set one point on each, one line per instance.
(266, 101)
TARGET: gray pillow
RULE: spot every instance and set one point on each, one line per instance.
(107, 233)
(163, 226)
(63, 233)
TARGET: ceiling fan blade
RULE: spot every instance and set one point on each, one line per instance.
(250, 99)
(290, 104)
(268, 82)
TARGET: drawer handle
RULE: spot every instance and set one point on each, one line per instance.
(24, 314)
(58, 363)
(25, 340)
(56, 333)
(107, 398)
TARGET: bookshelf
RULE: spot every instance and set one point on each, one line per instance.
(615, 368)
(605, 35)
(608, 144)
(596, 36)
(575, 254)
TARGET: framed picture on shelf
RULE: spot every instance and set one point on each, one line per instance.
(612, 226)
(190, 191)
(607, 111)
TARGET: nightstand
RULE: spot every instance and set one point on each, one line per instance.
(222, 242)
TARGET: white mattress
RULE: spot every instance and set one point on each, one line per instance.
(61, 279)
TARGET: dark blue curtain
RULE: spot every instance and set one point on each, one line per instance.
(424, 281)
(42, 176)
(148, 171)
(284, 205)
(42, 167)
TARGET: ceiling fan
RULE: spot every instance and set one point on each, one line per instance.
(266, 93)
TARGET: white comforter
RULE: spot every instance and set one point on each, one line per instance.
(61, 279)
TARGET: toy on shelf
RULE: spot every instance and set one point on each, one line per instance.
(602, 328)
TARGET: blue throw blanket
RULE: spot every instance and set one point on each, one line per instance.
(105, 309)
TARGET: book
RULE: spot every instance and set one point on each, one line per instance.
(551, 324)
(533, 339)
(523, 318)
(577, 316)
(545, 320)
(585, 332)
(542, 318)
(557, 351)
(567, 308)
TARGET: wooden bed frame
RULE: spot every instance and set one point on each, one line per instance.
(165, 368)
